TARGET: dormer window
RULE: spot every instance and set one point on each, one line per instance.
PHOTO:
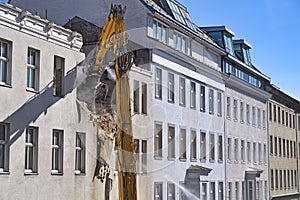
(222, 36)
(242, 51)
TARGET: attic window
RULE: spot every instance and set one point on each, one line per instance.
(180, 13)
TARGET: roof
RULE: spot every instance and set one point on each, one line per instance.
(242, 41)
(176, 12)
(218, 28)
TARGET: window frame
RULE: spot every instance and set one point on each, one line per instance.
(57, 152)
(33, 145)
(58, 78)
(5, 142)
(33, 84)
(80, 153)
(5, 79)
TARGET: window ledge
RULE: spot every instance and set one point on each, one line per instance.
(80, 173)
(57, 173)
(32, 90)
(158, 157)
(220, 161)
(171, 158)
(193, 160)
(5, 85)
(203, 160)
(4, 173)
(211, 161)
(30, 173)
(182, 159)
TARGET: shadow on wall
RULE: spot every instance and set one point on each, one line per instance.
(37, 105)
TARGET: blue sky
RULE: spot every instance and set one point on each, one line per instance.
(271, 27)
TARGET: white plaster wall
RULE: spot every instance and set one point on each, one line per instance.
(21, 108)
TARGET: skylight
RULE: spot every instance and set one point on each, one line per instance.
(180, 13)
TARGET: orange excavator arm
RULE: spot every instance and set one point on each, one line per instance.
(114, 37)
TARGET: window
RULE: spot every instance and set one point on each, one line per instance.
(182, 92)
(211, 101)
(33, 69)
(171, 191)
(275, 146)
(220, 148)
(271, 144)
(258, 117)
(294, 122)
(203, 147)
(279, 146)
(288, 179)
(141, 155)
(144, 98)
(272, 180)
(242, 112)
(278, 108)
(282, 116)
(158, 140)
(193, 145)
(158, 191)
(235, 109)
(290, 120)
(287, 148)
(202, 98)
(171, 142)
(294, 149)
(237, 191)
(248, 151)
(59, 70)
(170, 87)
(179, 42)
(283, 147)
(284, 179)
(274, 112)
(276, 179)
(230, 190)
(212, 147)
(80, 153)
(229, 149)
(248, 113)
(144, 156)
(254, 153)
(31, 150)
(5, 65)
(193, 95)
(298, 123)
(253, 116)
(243, 150)
(228, 107)
(243, 189)
(219, 98)
(212, 191)
(260, 153)
(182, 144)
(236, 149)
(204, 191)
(287, 119)
(270, 111)
(57, 151)
(220, 191)
(158, 83)
(264, 119)
(291, 148)
(136, 96)
(4, 147)
(159, 32)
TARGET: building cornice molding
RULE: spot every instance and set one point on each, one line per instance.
(23, 21)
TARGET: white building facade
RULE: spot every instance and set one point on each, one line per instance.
(178, 96)
(43, 135)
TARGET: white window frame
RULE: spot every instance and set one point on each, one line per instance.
(5, 57)
(202, 98)
(235, 109)
(242, 117)
(158, 191)
(193, 146)
(180, 42)
(171, 87)
(59, 72)
(182, 94)
(80, 153)
(158, 143)
(171, 142)
(4, 151)
(57, 151)
(182, 144)
(193, 95)
(31, 150)
(211, 101)
(33, 71)
(158, 83)
(160, 31)
(228, 110)
(219, 101)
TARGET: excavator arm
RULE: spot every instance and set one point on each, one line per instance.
(114, 38)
